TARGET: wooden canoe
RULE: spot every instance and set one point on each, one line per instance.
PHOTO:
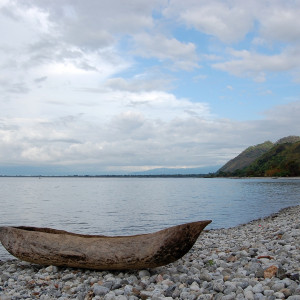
(48, 246)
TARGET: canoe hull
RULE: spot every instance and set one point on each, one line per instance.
(47, 246)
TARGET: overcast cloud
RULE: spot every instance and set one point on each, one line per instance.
(131, 85)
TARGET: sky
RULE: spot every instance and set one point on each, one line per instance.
(109, 86)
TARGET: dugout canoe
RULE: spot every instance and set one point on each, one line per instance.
(48, 246)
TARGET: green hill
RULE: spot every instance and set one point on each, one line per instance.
(246, 157)
(267, 159)
(281, 160)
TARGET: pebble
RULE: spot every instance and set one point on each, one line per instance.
(100, 290)
(254, 261)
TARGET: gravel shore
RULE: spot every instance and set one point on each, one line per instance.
(258, 260)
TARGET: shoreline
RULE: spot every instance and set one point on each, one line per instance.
(263, 177)
(104, 176)
(255, 260)
(272, 215)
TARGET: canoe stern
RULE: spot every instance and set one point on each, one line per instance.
(5, 239)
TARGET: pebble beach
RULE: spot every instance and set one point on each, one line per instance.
(258, 260)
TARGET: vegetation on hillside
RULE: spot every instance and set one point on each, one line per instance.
(246, 157)
(282, 159)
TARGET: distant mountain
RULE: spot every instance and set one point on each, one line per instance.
(84, 171)
(178, 171)
(246, 157)
(267, 159)
(46, 170)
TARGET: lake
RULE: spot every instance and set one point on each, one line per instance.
(121, 206)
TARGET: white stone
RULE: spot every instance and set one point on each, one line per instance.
(144, 273)
(249, 295)
(194, 286)
(110, 296)
(279, 295)
(258, 288)
(268, 292)
(121, 297)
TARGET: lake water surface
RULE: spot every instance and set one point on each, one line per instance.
(121, 206)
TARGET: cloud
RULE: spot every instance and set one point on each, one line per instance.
(245, 63)
(132, 139)
(80, 87)
(69, 35)
(91, 26)
(183, 55)
(152, 104)
(138, 84)
(64, 38)
(280, 22)
(274, 27)
(282, 113)
(217, 18)
(17, 88)
(274, 20)
(40, 79)
(67, 41)
(127, 127)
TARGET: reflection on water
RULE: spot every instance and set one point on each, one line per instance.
(120, 206)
